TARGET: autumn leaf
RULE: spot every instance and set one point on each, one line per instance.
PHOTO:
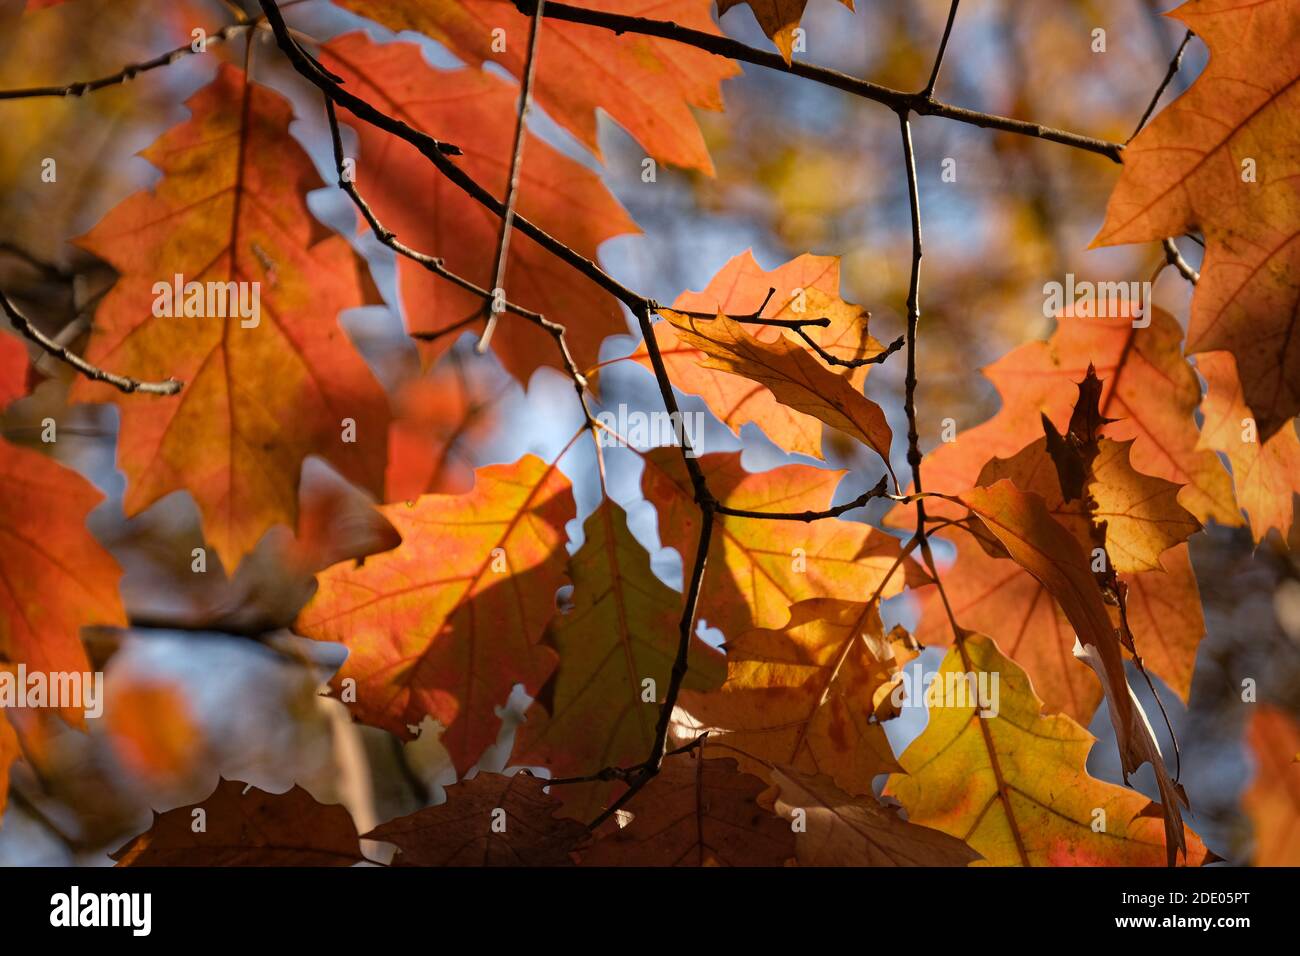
(1013, 786)
(778, 18)
(1147, 386)
(805, 695)
(696, 812)
(489, 820)
(438, 418)
(446, 624)
(806, 287)
(757, 568)
(1046, 550)
(231, 208)
(621, 632)
(1142, 515)
(244, 826)
(795, 377)
(56, 576)
(1273, 800)
(13, 369)
(476, 111)
(1265, 473)
(648, 85)
(843, 830)
(1221, 159)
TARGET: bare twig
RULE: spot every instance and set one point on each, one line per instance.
(512, 184)
(93, 372)
(928, 92)
(1174, 64)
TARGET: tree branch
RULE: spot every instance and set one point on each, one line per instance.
(919, 103)
(93, 372)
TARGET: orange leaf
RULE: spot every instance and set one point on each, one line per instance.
(446, 624)
(646, 84)
(1142, 514)
(1273, 800)
(1146, 384)
(778, 18)
(1265, 473)
(621, 631)
(795, 376)
(806, 287)
(476, 111)
(13, 369)
(805, 695)
(152, 729)
(1014, 785)
(231, 207)
(1222, 159)
(758, 568)
(55, 578)
(437, 416)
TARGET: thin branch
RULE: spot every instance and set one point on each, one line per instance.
(881, 490)
(512, 184)
(928, 92)
(913, 316)
(1175, 259)
(93, 372)
(127, 73)
(1174, 64)
(894, 99)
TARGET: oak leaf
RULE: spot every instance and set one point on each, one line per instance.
(9, 752)
(696, 812)
(1047, 550)
(447, 623)
(1014, 786)
(56, 577)
(843, 830)
(1221, 159)
(647, 84)
(476, 111)
(231, 208)
(621, 631)
(757, 568)
(805, 695)
(1265, 472)
(245, 826)
(1147, 387)
(795, 376)
(778, 18)
(489, 820)
(806, 287)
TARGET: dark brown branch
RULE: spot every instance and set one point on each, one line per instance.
(928, 92)
(880, 491)
(913, 316)
(93, 372)
(512, 186)
(918, 103)
(1174, 64)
